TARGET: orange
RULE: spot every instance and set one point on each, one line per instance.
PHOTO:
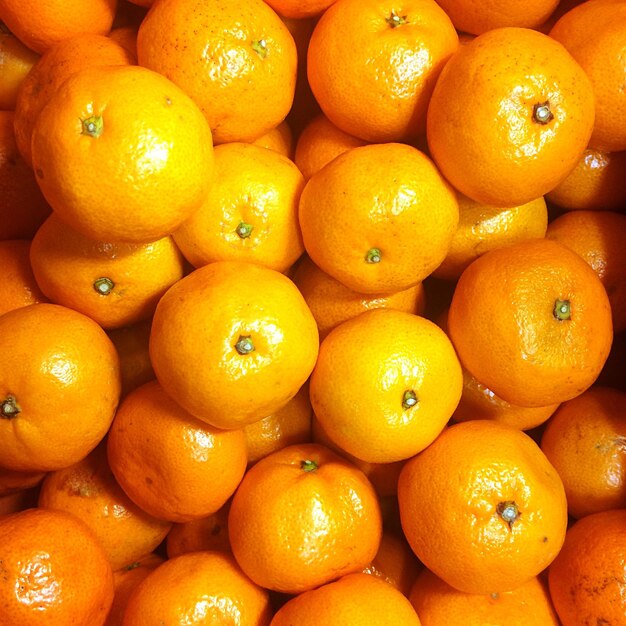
(372, 65)
(17, 501)
(378, 218)
(121, 153)
(89, 490)
(250, 213)
(439, 604)
(332, 303)
(114, 283)
(288, 426)
(23, 206)
(61, 61)
(11, 481)
(531, 322)
(54, 571)
(482, 507)
(126, 36)
(235, 58)
(355, 599)
(475, 17)
(483, 227)
(612, 374)
(587, 578)
(40, 25)
(18, 286)
(385, 384)
(598, 237)
(279, 139)
(585, 440)
(319, 143)
(15, 62)
(205, 533)
(131, 343)
(299, 9)
(510, 116)
(171, 464)
(199, 588)
(302, 517)
(596, 182)
(593, 32)
(233, 342)
(395, 563)
(60, 384)
(125, 581)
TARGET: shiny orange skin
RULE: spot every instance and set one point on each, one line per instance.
(595, 183)
(61, 61)
(18, 286)
(201, 320)
(439, 604)
(602, 58)
(89, 490)
(16, 59)
(152, 158)
(332, 303)
(482, 228)
(319, 143)
(481, 126)
(23, 206)
(40, 25)
(598, 237)
(254, 187)
(115, 283)
(169, 463)
(373, 73)
(475, 17)
(55, 572)
(356, 599)
(388, 198)
(503, 325)
(280, 139)
(61, 385)
(453, 498)
(586, 579)
(236, 59)
(366, 367)
(301, 517)
(585, 441)
(199, 588)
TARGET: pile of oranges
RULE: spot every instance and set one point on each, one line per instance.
(312, 311)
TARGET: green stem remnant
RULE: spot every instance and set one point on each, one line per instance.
(260, 47)
(562, 310)
(244, 345)
(93, 126)
(508, 511)
(373, 255)
(244, 230)
(104, 286)
(409, 399)
(9, 407)
(395, 20)
(542, 113)
(308, 465)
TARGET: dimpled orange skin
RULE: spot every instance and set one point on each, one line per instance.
(480, 125)
(55, 572)
(116, 284)
(383, 355)
(449, 496)
(200, 321)
(587, 579)
(373, 73)
(146, 171)
(255, 189)
(389, 198)
(602, 58)
(61, 372)
(503, 327)
(170, 464)
(89, 490)
(439, 604)
(237, 60)
(303, 516)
